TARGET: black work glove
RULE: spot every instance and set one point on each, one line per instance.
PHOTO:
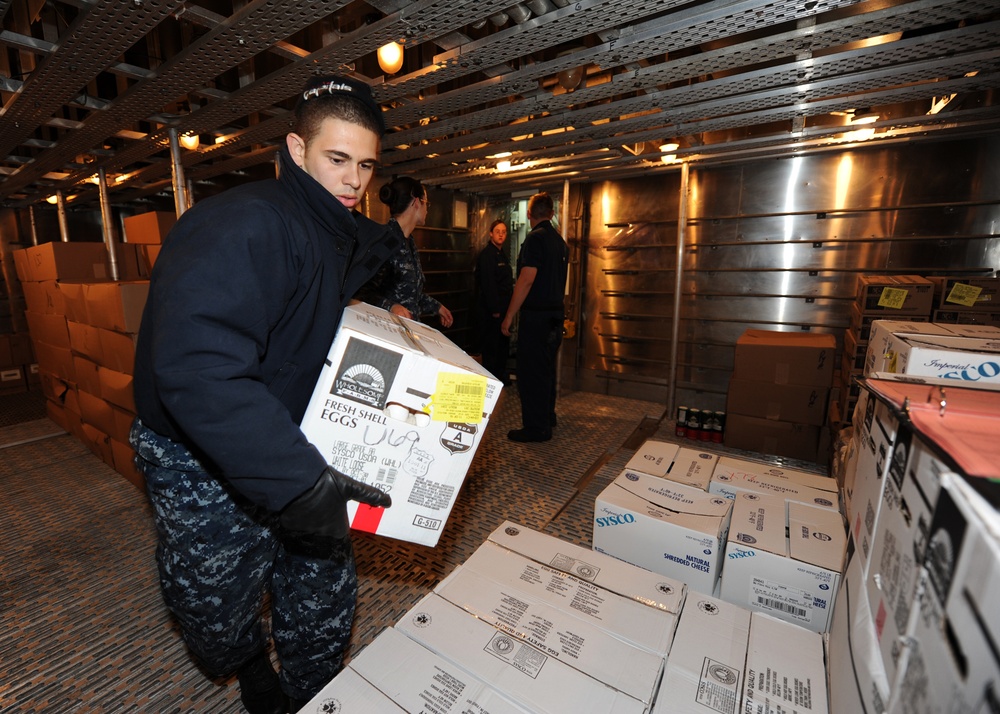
(315, 524)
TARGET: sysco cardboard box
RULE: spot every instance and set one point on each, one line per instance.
(653, 457)
(663, 526)
(400, 407)
(784, 558)
(644, 586)
(350, 693)
(735, 475)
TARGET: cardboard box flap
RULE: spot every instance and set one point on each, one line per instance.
(523, 673)
(672, 496)
(633, 622)
(759, 521)
(610, 573)
(707, 662)
(410, 674)
(557, 632)
(653, 457)
(731, 465)
(791, 677)
(817, 536)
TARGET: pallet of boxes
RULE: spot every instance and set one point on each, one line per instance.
(916, 622)
(907, 298)
(82, 325)
(778, 395)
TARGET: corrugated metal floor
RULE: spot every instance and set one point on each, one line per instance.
(84, 629)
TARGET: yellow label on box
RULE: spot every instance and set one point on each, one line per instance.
(893, 297)
(962, 294)
(459, 398)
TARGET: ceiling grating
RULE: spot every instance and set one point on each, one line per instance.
(571, 91)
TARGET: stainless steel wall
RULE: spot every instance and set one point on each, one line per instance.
(772, 245)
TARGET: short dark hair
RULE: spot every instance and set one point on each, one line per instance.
(496, 223)
(337, 97)
(398, 193)
(540, 206)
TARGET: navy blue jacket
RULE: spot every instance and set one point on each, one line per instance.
(245, 299)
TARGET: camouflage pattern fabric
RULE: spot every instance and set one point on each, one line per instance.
(217, 555)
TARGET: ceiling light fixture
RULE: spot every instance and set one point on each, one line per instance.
(53, 199)
(190, 141)
(390, 57)
(667, 157)
(503, 166)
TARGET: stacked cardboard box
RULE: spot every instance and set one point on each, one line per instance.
(531, 623)
(147, 232)
(878, 297)
(966, 354)
(83, 327)
(967, 301)
(915, 623)
(777, 399)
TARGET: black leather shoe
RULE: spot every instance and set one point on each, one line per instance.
(260, 691)
(527, 435)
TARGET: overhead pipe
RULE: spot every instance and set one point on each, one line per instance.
(519, 13)
(540, 7)
(177, 173)
(675, 329)
(109, 234)
(34, 227)
(61, 211)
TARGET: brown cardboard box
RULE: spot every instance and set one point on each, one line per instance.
(785, 357)
(854, 351)
(117, 306)
(968, 317)
(98, 442)
(56, 360)
(802, 403)
(87, 377)
(768, 436)
(116, 387)
(961, 293)
(50, 329)
(876, 294)
(44, 297)
(124, 458)
(149, 227)
(79, 261)
(12, 380)
(85, 340)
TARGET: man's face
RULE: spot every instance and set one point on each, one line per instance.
(342, 157)
(498, 235)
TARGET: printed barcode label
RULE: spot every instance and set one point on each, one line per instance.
(783, 606)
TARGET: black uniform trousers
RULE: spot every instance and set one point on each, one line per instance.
(539, 334)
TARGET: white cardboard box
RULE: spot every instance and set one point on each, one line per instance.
(666, 527)
(912, 485)
(350, 693)
(556, 632)
(875, 438)
(529, 677)
(649, 628)
(705, 669)
(858, 681)
(419, 680)
(401, 407)
(948, 356)
(645, 586)
(693, 468)
(732, 466)
(784, 558)
(954, 665)
(653, 457)
(789, 677)
(735, 475)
